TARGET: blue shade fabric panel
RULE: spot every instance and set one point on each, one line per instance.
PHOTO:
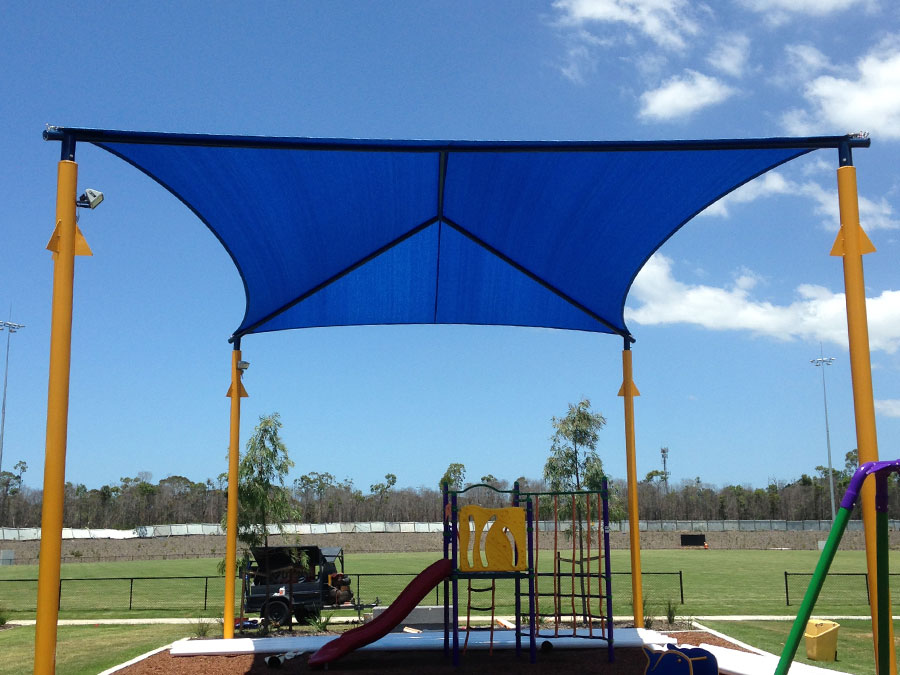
(331, 233)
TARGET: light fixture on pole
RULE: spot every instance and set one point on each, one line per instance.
(11, 328)
(665, 456)
(822, 361)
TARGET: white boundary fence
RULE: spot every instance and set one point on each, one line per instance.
(33, 533)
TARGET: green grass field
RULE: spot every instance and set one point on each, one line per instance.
(107, 599)
(86, 650)
(854, 653)
(715, 583)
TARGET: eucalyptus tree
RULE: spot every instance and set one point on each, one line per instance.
(263, 496)
(454, 476)
(381, 492)
(574, 464)
(10, 485)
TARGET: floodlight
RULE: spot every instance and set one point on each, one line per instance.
(90, 198)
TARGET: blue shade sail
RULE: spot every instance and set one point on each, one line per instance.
(341, 232)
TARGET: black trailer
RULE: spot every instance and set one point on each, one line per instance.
(298, 580)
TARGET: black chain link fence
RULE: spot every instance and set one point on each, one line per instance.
(84, 558)
(846, 592)
(187, 595)
(178, 594)
(658, 586)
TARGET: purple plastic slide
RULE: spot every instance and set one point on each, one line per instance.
(376, 629)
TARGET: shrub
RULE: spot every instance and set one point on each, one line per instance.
(319, 622)
(670, 612)
(203, 627)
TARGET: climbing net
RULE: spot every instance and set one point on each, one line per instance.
(573, 583)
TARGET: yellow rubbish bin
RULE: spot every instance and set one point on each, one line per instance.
(821, 640)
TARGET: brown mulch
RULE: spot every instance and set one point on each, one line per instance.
(698, 637)
(628, 661)
(372, 662)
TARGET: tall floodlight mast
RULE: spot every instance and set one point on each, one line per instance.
(665, 456)
(10, 328)
(822, 361)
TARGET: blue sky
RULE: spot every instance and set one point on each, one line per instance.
(727, 315)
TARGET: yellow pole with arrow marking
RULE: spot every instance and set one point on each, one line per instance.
(628, 391)
(851, 244)
(65, 244)
(235, 392)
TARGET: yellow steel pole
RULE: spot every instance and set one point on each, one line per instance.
(628, 392)
(852, 243)
(63, 246)
(236, 392)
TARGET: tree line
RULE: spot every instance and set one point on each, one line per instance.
(317, 497)
(320, 497)
(805, 498)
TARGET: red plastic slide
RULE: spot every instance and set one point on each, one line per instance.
(376, 629)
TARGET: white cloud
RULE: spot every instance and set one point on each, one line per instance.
(771, 183)
(889, 407)
(869, 99)
(779, 11)
(817, 166)
(581, 54)
(873, 215)
(652, 66)
(816, 315)
(807, 59)
(578, 62)
(816, 7)
(802, 63)
(681, 96)
(665, 22)
(730, 54)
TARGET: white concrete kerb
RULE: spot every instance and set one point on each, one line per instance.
(140, 658)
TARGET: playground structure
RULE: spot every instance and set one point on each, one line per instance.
(486, 544)
(879, 471)
(581, 560)
(680, 661)
(489, 544)
(412, 192)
